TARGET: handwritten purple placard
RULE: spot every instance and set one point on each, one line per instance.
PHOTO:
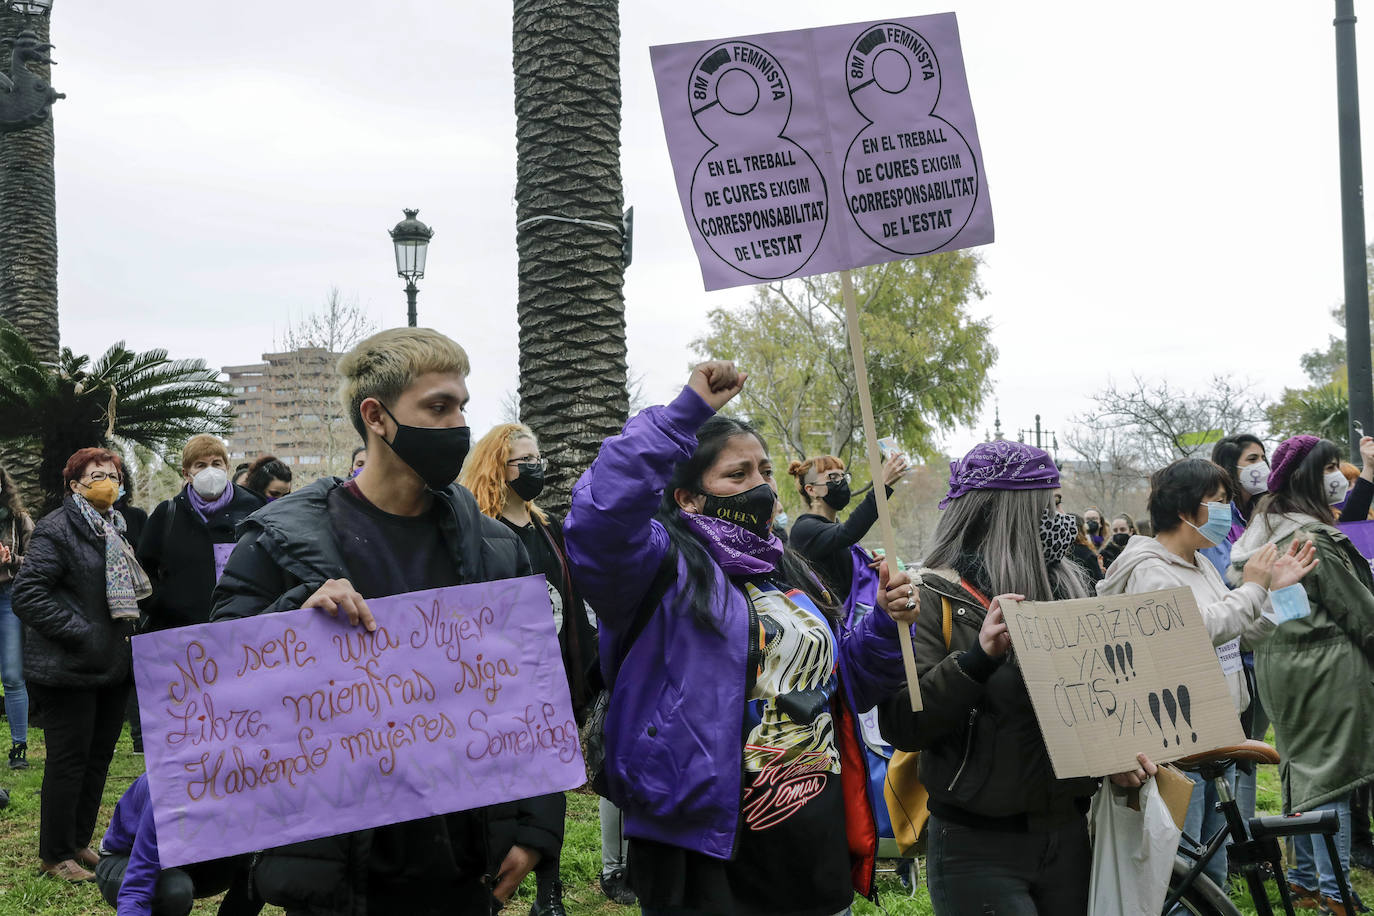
(817, 150)
(293, 726)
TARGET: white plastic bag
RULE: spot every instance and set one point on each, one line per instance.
(1133, 853)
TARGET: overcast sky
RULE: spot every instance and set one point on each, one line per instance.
(1163, 178)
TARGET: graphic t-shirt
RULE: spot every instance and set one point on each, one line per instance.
(792, 853)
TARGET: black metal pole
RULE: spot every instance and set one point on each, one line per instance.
(411, 290)
(1357, 355)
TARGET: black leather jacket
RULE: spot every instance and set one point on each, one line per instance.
(285, 552)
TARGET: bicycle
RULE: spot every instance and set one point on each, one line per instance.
(1254, 847)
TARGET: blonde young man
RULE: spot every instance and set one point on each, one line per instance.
(335, 544)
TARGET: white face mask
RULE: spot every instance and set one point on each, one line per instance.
(209, 483)
(1254, 478)
(1334, 486)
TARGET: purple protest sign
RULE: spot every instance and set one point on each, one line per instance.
(1361, 534)
(817, 150)
(293, 726)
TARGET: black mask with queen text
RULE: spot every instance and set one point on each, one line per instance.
(752, 510)
(435, 453)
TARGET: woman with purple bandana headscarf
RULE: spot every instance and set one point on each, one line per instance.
(709, 621)
(1004, 834)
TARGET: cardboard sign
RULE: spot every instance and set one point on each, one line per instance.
(293, 726)
(1113, 676)
(817, 150)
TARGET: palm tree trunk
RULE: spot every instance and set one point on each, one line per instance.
(28, 243)
(571, 299)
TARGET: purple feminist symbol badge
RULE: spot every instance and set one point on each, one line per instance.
(910, 177)
(758, 199)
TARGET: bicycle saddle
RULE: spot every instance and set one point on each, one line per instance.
(1250, 749)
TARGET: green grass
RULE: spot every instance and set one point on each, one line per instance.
(23, 891)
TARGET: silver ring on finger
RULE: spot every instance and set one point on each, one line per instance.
(910, 603)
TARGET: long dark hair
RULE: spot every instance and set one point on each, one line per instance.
(1303, 491)
(10, 497)
(1227, 454)
(793, 570)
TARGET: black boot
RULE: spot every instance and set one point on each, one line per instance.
(19, 755)
(616, 886)
(548, 899)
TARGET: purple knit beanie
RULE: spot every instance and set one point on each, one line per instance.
(1286, 459)
(1001, 465)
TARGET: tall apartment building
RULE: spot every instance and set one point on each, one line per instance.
(287, 406)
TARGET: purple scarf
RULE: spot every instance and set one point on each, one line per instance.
(735, 550)
(206, 508)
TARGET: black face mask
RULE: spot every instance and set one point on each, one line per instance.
(1121, 539)
(435, 453)
(1093, 526)
(529, 484)
(751, 510)
(836, 495)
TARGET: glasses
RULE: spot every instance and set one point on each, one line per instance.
(97, 476)
(831, 479)
(533, 464)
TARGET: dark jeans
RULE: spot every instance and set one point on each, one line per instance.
(82, 727)
(178, 888)
(974, 872)
(1359, 817)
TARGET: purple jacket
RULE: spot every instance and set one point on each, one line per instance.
(674, 730)
(132, 833)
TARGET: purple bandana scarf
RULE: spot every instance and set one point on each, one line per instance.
(206, 508)
(1001, 465)
(738, 552)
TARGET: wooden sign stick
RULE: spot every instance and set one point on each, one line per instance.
(875, 467)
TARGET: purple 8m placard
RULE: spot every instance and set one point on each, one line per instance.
(816, 150)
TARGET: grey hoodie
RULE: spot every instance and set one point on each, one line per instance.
(1146, 566)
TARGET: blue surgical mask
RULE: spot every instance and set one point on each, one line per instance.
(1288, 603)
(1218, 524)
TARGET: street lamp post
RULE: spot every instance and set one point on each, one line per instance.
(411, 238)
(1357, 355)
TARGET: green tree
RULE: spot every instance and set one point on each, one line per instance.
(568, 201)
(121, 399)
(928, 360)
(1322, 410)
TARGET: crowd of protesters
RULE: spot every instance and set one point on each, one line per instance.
(717, 650)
